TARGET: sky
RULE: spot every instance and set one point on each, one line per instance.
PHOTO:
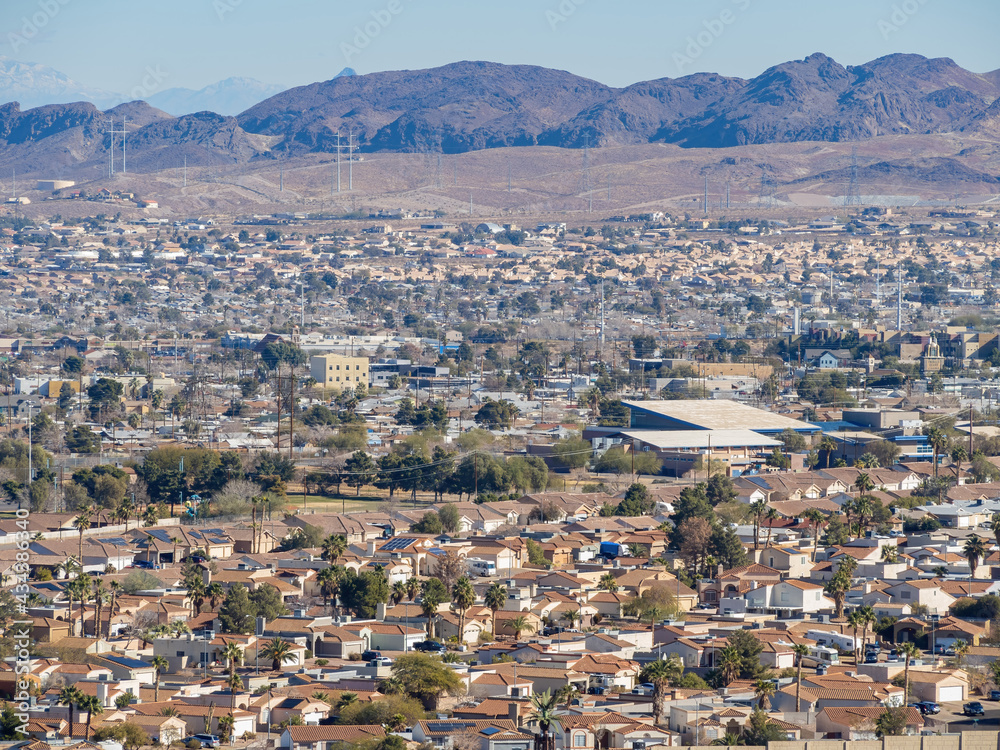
(122, 45)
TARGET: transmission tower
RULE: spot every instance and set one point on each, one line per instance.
(768, 188)
(853, 197)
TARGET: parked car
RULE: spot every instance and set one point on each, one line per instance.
(871, 657)
(929, 707)
(430, 647)
(206, 740)
(370, 654)
(995, 695)
(597, 691)
(645, 688)
(974, 709)
(381, 661)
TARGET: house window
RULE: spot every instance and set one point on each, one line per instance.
(904, 594)
(803, 561)
(579, 740)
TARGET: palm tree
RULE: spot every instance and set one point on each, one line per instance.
(396, 723)
(345, 700)
(116, 589)
(571, 616)
(848, 510)
(333, 547)
(99, 594)
(160, 666)
(608, 582)
(856, 621)
(975, 549)
(838, 586)
(815, 517)
(226, 724)
(961, 649)
(521, 624)
(215, 594)
(995, 526)
(801, 651)
(495, 597)
(71, 697)
(890, 554)
(729, 739)
(412, 588)
(329, 585)
(909, 650)
(939, 442)
(278, 651)
(867, 461)
(771, 515)
(757, 509)
(398, 592)
(92, 705)
(235, 684)
(763, 690)
(729, 663)
(463, 596)
(82, 523)
(864, 506)
(544, 705)
(233, 654)
(828, 445)
(81, 588)
(869, 619)
(661, 672)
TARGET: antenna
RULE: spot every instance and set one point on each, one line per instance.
(586, 171)
(111, 149)
(508, 177)
(281, 180)
(727, 196)
(878, 286)
(350, 160)
(185, 171)
(602, 322)
(706, 196)
(338, 161)
(124, 132)
(899, 297)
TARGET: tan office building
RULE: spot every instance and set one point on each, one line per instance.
(335, 371)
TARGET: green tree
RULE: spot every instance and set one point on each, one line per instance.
(892, 722)
(449, 516)
(974, 550)
(571, 453)
(429, 523)
(360, 470)
(637, 501)
(426, 678)
(363, 593)
(496, 415)
(267, 603)
(237, 612)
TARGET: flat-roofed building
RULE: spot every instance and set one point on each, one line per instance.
(337, 371)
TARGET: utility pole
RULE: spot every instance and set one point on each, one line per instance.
(291, 413)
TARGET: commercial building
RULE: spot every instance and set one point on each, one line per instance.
(335, 371)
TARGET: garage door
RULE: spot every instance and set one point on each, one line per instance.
(950, 694)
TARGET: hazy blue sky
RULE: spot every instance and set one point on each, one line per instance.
(112, 44)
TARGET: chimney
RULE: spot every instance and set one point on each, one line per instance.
(514, 713)
(102, 693)
(380, 612)
(371, 547)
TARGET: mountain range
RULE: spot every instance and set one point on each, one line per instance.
(33, 85)
(469, 106)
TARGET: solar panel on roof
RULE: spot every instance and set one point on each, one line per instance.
(117, 541)
(398, 543)
(221, 532)
(448, 726)
(490, 731)
(160, 534)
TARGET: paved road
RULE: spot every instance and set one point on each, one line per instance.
(951, 718)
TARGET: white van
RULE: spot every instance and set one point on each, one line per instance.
(482, 568)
